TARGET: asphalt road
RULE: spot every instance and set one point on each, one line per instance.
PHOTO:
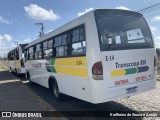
(149, 101)
(73, 104)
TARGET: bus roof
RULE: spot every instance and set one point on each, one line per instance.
(72, 24)
(18, 46)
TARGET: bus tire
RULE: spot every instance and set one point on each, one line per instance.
(55, 91)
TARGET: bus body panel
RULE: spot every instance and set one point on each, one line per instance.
(12, 65)
(111, 88)
(127, 66)
(74, 86)
(37, 71)
(70, 81)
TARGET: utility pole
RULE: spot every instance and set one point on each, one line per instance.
(41, 33)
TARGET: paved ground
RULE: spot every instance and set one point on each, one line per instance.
(15, 96)
(38, 98)
(149, 101)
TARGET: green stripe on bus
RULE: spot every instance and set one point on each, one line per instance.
(52, 68)
(131, 71)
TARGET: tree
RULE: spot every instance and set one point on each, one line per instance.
(158, 52)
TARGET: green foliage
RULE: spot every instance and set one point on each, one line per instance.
(158, 52)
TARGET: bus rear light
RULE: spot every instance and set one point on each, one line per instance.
(97, 71)
(155, 61)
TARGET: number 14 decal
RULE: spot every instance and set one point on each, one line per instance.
(79, 62)
(110, 58)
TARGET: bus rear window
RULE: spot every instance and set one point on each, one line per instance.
(120, 30)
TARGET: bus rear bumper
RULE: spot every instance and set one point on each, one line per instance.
(110, 94)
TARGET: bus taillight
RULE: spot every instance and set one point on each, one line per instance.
(97, 71)
(155, 61)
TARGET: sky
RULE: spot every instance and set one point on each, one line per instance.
(18, 17)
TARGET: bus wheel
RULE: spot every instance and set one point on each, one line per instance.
(55, 91)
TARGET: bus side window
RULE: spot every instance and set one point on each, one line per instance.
(26, 54)
(48, 49)
(38, 51)
(31, 53)
(44, 49)
(118, 40)
(14, 53)
(11, 55)
(61, 45)
(78, 42)
(17, 54)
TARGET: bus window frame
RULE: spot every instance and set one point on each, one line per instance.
(69, 44)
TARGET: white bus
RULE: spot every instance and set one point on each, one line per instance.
(101, 56)
(16, 59)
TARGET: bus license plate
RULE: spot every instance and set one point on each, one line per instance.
(131, 90)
